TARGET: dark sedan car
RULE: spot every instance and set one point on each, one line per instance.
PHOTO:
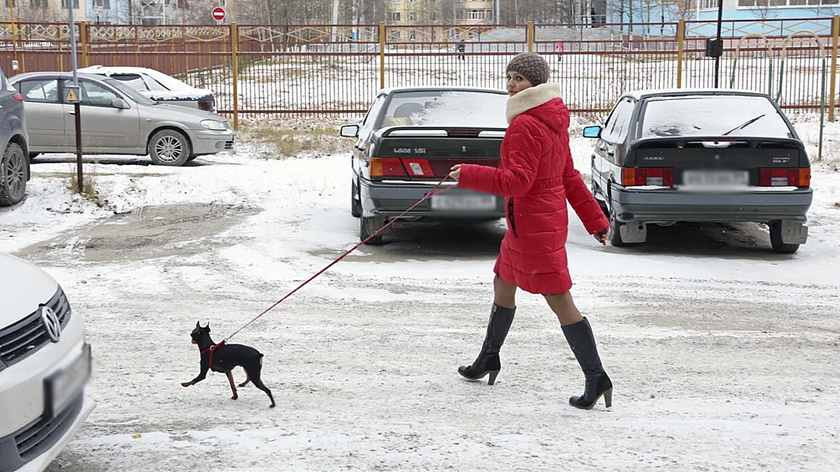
(407, 143)
(14, 160)
(701, 156)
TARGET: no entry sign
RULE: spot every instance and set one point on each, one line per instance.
(218, 13)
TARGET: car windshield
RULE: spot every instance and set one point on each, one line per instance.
(447, 108)
(133, 94)
(730, 115)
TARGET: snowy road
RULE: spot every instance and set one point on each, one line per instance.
(723, 354)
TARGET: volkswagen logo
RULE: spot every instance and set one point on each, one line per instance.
(51, 323)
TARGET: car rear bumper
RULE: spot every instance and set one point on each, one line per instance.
(210, 142)
(679, 205)
(391, 199)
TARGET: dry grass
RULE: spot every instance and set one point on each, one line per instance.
(288, 138)
(88, 190)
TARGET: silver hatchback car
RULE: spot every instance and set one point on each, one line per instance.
(116, 120)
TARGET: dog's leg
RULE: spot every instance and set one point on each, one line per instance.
(205, 366)
(254, 375)
(232, 385)
(247, 379)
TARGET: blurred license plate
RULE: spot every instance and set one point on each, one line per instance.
(65, 385)
(716, 178)
(463, 202)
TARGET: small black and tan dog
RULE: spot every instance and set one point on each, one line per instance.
(224, 357)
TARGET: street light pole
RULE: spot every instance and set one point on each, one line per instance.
(720, 44)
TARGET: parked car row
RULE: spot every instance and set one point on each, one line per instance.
(123, 110)
(661, 157)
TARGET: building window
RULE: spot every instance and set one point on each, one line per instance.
(412, 34)
(105, 4)
(477, 14)
(394, 16)
(11, 3)
(412, 16)
(39, 3)
(75, 4)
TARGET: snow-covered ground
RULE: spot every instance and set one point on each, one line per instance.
(723, 354)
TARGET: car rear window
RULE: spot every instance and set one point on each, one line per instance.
(728, 115)
(447, 108)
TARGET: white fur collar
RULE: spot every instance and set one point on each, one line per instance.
(530, 98)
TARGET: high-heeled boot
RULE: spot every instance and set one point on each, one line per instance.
(488, 361)
(598, 384)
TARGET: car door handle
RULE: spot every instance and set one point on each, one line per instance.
(71, 112)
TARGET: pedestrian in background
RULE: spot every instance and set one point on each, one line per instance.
(558, 48)
(537, 176)
(461, 47)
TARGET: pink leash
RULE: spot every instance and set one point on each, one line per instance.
(426, 197)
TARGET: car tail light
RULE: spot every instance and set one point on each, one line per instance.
(633, 176)
(789, 177)
(386, 167)
(17, 97)
(205, 104)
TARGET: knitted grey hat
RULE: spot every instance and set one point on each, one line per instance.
(531, 66)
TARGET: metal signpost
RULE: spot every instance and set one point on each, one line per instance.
(74, 92)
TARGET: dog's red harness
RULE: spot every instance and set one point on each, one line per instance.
(210, 350)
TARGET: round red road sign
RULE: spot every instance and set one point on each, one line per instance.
(218, 13)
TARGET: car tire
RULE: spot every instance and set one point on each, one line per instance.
(776, 239)
(368, 226)
(168, 147)
(615, 232)
(13, 175)
(601, 203)
(355, 200)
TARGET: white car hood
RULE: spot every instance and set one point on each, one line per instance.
(23, 287)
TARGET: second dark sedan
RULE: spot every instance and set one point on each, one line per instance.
(407, 143)
(701, 156)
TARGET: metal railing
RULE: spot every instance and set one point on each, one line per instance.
(275, 70)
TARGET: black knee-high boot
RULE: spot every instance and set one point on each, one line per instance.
(582, 342)
(488, 361)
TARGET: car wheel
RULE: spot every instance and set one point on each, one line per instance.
(12, 175)
(169, 148)
(355, 200)
(776, 239)
(368, 226)
(601, 203)
(615, 232)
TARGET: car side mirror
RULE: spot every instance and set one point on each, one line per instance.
(592, 131)
(350, 131)
(119, 103)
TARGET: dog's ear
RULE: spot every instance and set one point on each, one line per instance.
(197, 324)
(207, 326)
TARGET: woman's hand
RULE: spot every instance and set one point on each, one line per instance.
(601, 236)
(455, 172)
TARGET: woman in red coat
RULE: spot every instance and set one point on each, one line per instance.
(538, 177)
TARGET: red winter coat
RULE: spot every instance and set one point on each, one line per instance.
(537, 175)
